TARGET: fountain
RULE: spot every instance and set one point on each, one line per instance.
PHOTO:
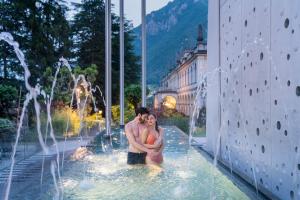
(33, 94)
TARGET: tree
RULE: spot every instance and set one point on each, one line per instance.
(42, 31)
(10, 21)
(65, 84)
(89, 46)
(8, 97)
(133, 95)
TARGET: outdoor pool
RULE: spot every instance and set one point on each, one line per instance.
(185, 174)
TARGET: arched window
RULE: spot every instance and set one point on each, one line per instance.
(190, 75)
(193, 69)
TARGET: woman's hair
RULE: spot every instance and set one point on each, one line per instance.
(156, 124)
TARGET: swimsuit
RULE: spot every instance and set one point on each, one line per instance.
(151, 140)
(136, 158)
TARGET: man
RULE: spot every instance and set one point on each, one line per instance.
(133, 130)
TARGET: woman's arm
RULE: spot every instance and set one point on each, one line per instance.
(133, 142)
(159, 140)
(144, 136)
(151, 146)
(161, 148)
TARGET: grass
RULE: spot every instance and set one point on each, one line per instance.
(181, 122)
(173, 118)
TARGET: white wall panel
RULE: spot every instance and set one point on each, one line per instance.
(260, 91)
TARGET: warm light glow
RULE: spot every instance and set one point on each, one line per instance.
(169, 102)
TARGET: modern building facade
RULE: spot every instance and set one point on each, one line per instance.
(253, 106)
(178, 88)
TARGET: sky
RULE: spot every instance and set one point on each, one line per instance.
(132, 8)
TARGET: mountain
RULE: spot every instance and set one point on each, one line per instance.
(170, 31)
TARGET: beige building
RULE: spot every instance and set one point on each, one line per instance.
(178, 88)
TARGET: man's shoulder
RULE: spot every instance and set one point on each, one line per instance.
(129, 124)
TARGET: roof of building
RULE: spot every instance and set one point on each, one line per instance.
(189, 55)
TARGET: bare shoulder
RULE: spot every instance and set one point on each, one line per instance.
(146, 130)
(128, 126)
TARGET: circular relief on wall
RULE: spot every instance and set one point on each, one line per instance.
(278, 125)
(286, 22)
(292, 195)
(298, 91)
(263, 149)
(261, 56)
(261, 181)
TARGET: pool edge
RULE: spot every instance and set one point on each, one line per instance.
(223, 165)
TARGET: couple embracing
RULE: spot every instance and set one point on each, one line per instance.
(145, 139)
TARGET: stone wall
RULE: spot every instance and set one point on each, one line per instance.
(255, 99)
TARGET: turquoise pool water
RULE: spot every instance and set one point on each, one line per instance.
(185, 174)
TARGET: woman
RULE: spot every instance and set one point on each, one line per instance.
(152, 138)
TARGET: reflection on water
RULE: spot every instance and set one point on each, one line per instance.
(185, 174)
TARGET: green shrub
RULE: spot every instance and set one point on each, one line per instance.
(182, 122)
(8, 98)
(7, 130)
(60, 118)
(129, 113)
